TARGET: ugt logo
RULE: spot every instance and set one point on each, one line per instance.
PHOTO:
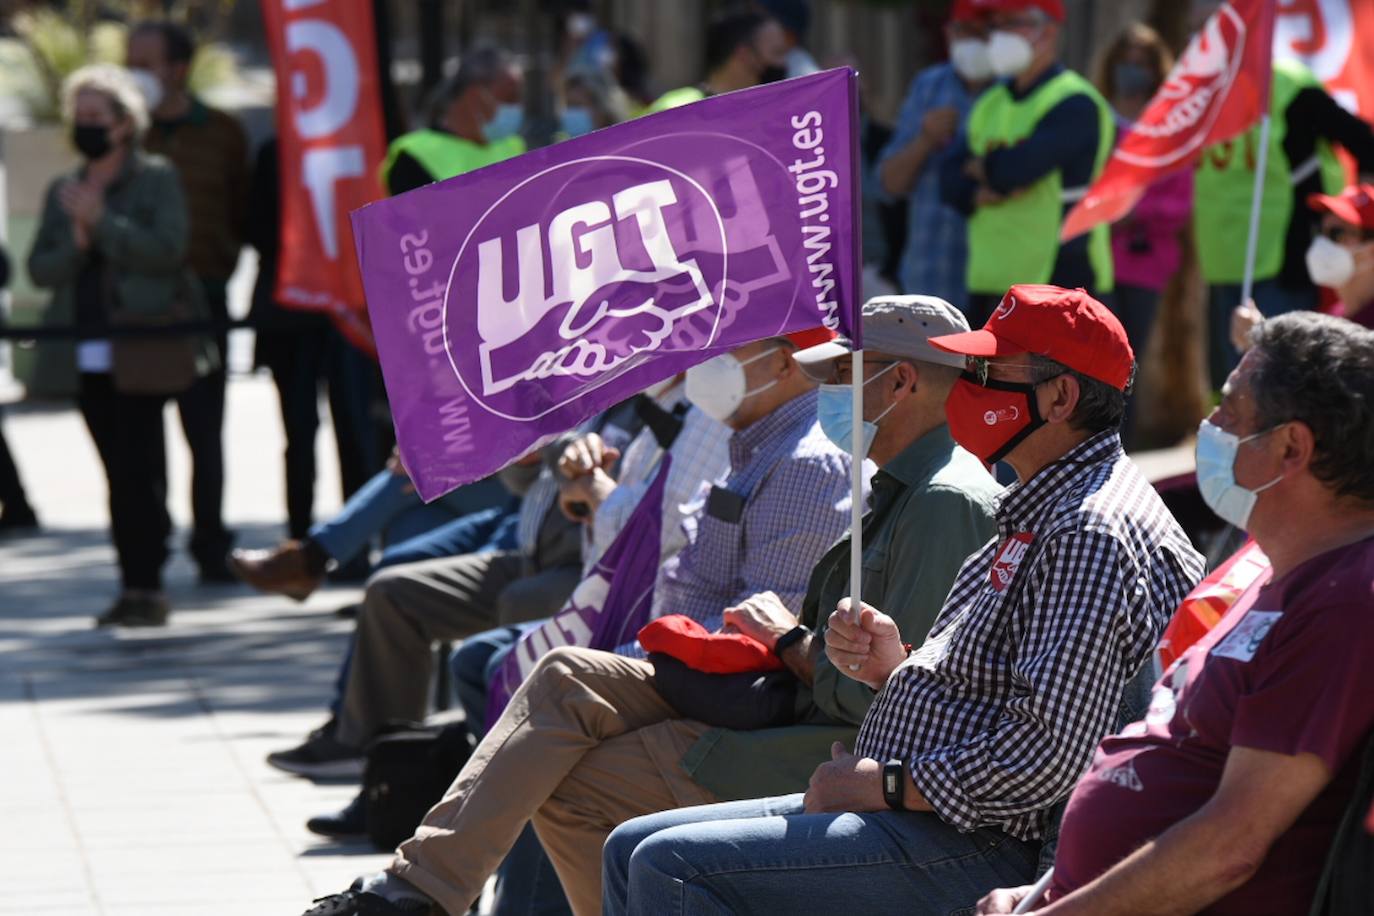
(1008, 560)
(1193, 96)
(567, 299)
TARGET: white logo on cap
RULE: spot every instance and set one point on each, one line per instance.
(1005, 309)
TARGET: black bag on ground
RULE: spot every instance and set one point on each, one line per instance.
(747, 701)
(409, 767)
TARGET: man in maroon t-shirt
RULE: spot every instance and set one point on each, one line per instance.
(1227, 797)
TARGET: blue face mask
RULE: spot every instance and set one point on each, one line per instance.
(507, 122)
(1216, 474)
(576, 121)
(835, 411)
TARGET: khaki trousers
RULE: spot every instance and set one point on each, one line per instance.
(586, 744)
(406, 609)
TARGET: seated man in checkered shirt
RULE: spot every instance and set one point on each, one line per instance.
(976, 734)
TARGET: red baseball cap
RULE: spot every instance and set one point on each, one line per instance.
(1355, 205)
(1066, 325)
(810, 338)
(1052, 8)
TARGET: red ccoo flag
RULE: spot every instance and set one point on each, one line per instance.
(1218, 89)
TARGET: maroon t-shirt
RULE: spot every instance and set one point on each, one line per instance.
(1292, 674)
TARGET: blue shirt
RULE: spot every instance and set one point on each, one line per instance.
(793, 492)
(934, 262)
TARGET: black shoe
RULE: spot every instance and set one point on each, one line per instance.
(147, 610)
(322, 756)
(346, 824)
(355, 571)
(353, 902)
(212, 557)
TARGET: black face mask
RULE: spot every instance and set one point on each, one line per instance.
(92, 140)
(772, 75)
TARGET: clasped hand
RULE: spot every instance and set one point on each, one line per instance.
(868, 648)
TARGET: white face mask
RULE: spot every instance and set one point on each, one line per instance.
(718, 387)
(1009, 53)
(149, 86)
(970, 59)
(1330, 264)
(1216, 474)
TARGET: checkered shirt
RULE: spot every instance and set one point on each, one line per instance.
(798, 507)
(998, 712)
(936, 253)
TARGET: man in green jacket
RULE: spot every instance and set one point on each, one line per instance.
(475, 120)
(597, 744)
(1033, 144)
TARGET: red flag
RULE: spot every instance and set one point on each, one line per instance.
(1218, 89)
(1232, 586)
(1335, 39)
(331, 142)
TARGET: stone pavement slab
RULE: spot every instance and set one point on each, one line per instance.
(132, 780)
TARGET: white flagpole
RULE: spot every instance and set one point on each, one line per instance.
(1036, 893)
(856, 476)
(1252, 243)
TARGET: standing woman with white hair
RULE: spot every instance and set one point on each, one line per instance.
(112, 247)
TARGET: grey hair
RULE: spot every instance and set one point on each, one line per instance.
(111, 81)
(1101, 407)
(480, 65)
(1319, 370)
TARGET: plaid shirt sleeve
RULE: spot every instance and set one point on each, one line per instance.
(800, 511)
(1064, 691)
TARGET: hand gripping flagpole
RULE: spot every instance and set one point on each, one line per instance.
(856, 476)
(1256, 205)
(1036, 893)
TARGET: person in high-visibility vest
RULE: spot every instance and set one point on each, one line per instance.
(742, 50)
(1033, 144)
(475, 120)
(1306, 121)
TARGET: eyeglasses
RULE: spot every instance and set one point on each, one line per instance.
(1343, 233)
(982, 367)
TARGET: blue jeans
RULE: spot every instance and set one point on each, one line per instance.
(473, 665)
(767, 856)
(1270, 298)
(527, 883)
(386, 506)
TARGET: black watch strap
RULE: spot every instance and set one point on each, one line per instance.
(788, 639)
(894, 785)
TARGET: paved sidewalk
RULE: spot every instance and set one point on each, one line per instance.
(132, 762)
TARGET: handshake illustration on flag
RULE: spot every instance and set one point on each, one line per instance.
(511, 303)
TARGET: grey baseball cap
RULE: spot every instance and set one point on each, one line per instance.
(897, 325)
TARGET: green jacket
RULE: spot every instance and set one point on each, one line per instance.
(143, 236)
(932, 506)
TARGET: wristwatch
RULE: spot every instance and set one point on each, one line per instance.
(893, 785)
(786, 640)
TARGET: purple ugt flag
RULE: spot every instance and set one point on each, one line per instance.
(511, 303)
(608, 607)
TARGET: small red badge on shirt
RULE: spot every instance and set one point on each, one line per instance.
(1009, 558)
